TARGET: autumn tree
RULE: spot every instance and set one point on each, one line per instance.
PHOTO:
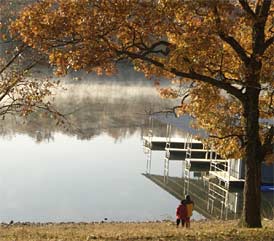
(221, 51)
(20, 91)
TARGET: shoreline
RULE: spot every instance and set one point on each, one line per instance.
(205, 230)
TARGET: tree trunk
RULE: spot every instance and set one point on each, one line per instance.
(252, 194)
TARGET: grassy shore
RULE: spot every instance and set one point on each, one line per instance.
(200, 230)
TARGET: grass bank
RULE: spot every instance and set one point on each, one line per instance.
(200, 230)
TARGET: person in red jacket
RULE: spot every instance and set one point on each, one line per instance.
(181, 214)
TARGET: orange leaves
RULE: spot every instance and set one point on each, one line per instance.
(102, 27)
(267, 104)
(219, 115)
(73, 33)
(93, 35)
(168, 93)
(57, 57)
(21, 94)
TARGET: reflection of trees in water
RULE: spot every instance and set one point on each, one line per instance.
(92, 110)
(159, 129)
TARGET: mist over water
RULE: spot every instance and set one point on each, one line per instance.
(92, 104)
(90, 171)
(118, 105)
(93, 169)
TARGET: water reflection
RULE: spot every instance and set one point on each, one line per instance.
(180, 175)
(119, 110)
(78, 180)
(87, 173)
(92, 171)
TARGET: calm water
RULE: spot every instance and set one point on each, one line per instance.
(89, 172)
(93, 170)
(76, 180)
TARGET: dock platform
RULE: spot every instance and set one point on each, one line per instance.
(159, 143)
(228, 179)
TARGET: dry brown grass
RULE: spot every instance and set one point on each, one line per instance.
(200, 230)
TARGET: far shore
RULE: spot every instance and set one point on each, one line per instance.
(204, 230)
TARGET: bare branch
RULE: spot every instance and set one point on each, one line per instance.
(21, 50)
(6, 92)
(13, 84)
(172, 110)
(184, 97)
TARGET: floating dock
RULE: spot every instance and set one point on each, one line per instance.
(155, 143)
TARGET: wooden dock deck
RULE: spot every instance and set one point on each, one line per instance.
(159, 143)
(202, 160)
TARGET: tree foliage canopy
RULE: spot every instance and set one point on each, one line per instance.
(220, 51)
(185, 41)
(18, 92)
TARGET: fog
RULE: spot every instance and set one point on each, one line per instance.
(118, 106)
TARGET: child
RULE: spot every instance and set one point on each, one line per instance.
(189, 208)
(181, 214)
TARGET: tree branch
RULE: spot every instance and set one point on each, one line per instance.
(230, 40)
(267, 43)
(27, 68)
(6, 92)
(191, 75)
(152, 49)
(259, 44)
(172, 111)
(264, 8)
(235, 45)
(21, 50)
(247, 8)
(240, 137)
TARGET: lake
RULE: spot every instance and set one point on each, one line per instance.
(91, 171)
(94, 168)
